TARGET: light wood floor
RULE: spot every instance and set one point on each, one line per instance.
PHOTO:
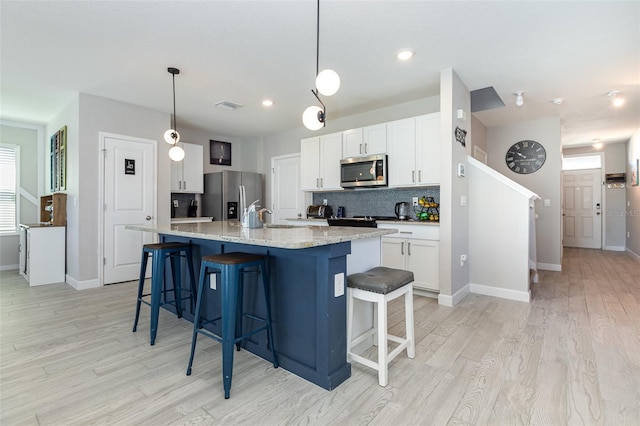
(572, 356)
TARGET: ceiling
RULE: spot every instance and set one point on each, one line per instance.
(246, 51)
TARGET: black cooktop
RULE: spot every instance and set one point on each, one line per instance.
(376, 217)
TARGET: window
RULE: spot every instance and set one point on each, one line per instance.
(582, 162)
(9, 160)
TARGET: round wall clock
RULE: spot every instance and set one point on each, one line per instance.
(525, 157)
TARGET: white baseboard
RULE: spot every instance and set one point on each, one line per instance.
(614, 248)
(549, 266)
(9, 267)
(82, 285)
(450, 301)
(634, 255)
(502, 293)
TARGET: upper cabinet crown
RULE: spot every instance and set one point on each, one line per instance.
(364, 141)
(414, 151)
(320, 160)
(188, 175)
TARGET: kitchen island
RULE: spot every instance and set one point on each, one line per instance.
(308, 267)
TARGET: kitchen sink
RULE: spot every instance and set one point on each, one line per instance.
(277, 226)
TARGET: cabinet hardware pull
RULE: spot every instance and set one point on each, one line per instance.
(365, 148)
(185, 184)
(360, 148)
(419, 175)
(402, 247)
(321, 182)
(317, 182)
(413, 176)
(409, 249)
(405, 232)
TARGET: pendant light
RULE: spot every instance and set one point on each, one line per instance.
(327, 83)
(172, 136)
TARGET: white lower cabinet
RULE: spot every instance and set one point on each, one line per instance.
(415, 248)
(42, 254)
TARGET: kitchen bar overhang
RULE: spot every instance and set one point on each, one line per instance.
(308, 266)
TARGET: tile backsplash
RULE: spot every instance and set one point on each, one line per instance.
(374, 202)
(183, 204)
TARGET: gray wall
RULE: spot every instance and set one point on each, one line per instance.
(546, 182)
(86, 116)
(633, 197)
(614, 223)
(26, 136)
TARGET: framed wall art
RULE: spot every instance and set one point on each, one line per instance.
(220, 153)
(58, 160)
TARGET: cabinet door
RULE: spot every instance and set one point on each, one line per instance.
(176, 176)
(401, 141)
(310, 164)
(393, 253)
(428, 149)
(374, 139)
(352, 143)
(423, 258)
(330, 156)
(193, 168)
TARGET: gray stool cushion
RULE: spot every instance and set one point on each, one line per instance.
(380, 279)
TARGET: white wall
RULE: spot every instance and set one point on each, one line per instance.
(546, 182)
(633, 197)
(454, 218)
(28, 137)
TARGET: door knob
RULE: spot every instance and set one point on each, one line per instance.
(148, 217)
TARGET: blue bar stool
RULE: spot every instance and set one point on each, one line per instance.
(159, 253)
(231, 268)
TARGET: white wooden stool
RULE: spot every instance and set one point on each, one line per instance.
(380, 285)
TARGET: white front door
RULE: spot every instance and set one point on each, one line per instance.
(582, 208)
(286, 197)
(129, 198)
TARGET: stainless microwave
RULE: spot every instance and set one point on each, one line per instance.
(363, 172)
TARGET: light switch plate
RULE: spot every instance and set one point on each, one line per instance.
(547, 202)
(338, 282)
(461, 171)
(463, 200)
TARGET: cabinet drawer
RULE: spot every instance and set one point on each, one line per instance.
(424, 232)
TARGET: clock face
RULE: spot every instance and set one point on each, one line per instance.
(525, 157)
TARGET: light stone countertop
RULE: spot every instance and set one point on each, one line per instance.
(395, 222)
(294, 237)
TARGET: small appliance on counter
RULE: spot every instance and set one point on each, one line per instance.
(193, 209)
(319, 212)
(402, 210)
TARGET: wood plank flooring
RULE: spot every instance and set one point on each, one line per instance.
(571, 356)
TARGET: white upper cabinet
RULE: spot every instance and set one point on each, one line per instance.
(413, 145)
(364, 141)
(188, 175)
(320, 160)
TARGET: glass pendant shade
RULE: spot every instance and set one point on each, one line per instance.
(310, 118)
(176, 153)
(328, 82)
(172, 137)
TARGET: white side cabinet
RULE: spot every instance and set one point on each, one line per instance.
(320, 162)
(188, 175)
(42, 254)
(414, 151)
(364, 141)
(415, 248)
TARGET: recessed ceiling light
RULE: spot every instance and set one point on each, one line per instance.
(616, 100)
(557, 101)
(405, 54)
(267, 102)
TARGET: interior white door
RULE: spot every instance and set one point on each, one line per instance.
(286, 195)
(129, 198)
(582, 208)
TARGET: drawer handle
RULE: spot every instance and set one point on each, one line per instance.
(405, 232)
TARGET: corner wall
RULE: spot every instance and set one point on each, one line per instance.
(633, 198)
(546, 182)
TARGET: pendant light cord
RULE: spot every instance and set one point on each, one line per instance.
(318, 39)
(174, 103)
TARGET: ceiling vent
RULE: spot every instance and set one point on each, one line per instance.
(229, 106)
(484, 99)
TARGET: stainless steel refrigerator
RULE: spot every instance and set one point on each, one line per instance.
(221, 199)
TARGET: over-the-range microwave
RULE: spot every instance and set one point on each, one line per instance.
(363, 172)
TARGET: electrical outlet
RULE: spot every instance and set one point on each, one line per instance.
(463, 258)
(175, 203)
(338, 284)
(415, 201)
(324, 202)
